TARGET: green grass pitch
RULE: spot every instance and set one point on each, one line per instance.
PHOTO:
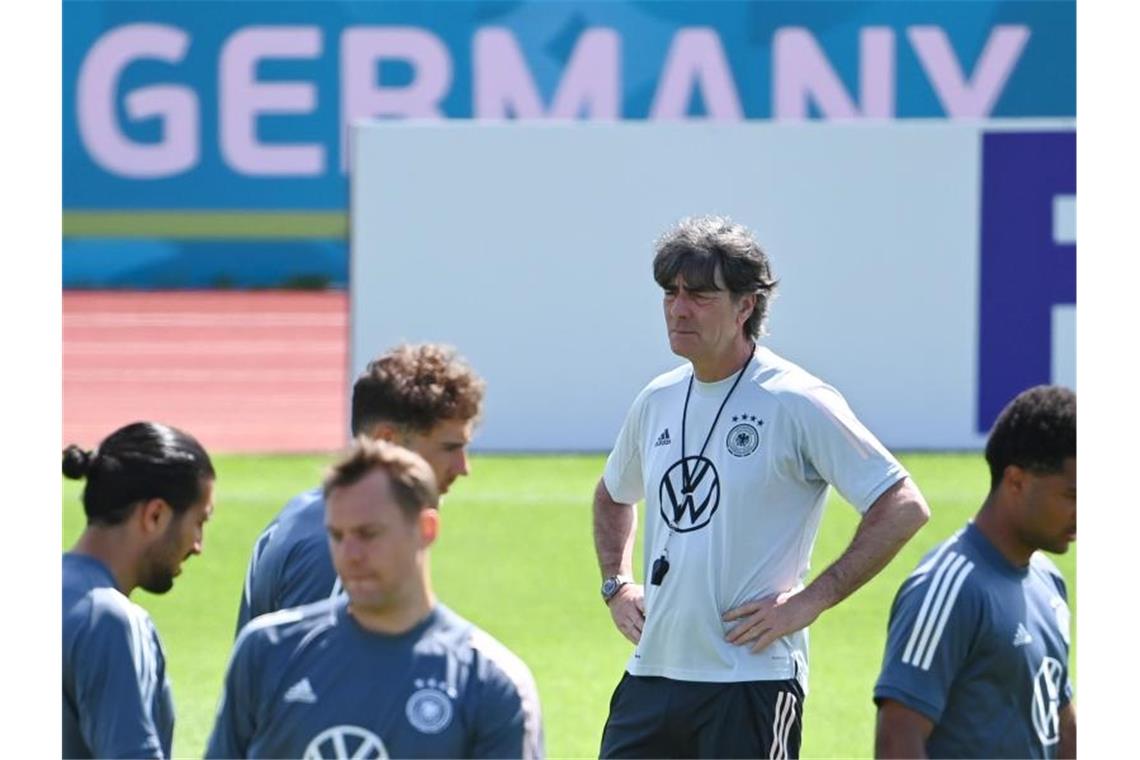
(516, 557)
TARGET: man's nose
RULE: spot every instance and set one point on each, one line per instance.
(351, 549)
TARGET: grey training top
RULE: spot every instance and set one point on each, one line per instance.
(981, 648)
(116, 700)
(311, 682)
(291, 563)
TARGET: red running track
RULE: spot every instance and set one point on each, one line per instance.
(242, 371)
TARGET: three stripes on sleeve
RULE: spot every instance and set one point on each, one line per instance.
(937, 604)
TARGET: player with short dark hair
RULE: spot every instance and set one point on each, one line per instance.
(976, 661)
(423, 397)
(733, 454)
(148, 493)
(385, 670)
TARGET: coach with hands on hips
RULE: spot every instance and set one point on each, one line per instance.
(732, 453)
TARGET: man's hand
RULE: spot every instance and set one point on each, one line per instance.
(627, 608)
(763, 621)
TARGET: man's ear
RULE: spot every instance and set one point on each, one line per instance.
(385, 431)
(747, 304)
(154, 516)
(1013, 478)
(429, 526)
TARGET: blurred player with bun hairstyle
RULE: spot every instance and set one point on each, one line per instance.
(148, 494)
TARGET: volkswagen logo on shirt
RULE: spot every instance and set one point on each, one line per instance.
(343, 742)
(1046, 701)
(689, 494)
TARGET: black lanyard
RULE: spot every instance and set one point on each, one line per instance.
(685, 481)
(661, 564)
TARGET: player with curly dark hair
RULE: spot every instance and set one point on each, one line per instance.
(976, 663)
(421, 396)
(412, 388)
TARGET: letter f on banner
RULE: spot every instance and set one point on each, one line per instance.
(1026, 268)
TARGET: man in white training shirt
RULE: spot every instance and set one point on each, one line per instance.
(732, 453)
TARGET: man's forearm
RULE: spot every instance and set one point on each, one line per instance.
(900, 744)
(901, 732)
(1068, 744)
(890, 522)
(614, 525)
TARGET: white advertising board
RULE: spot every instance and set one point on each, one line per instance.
(529, 248)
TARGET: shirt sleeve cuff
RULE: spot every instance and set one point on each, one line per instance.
(893, 476)
(928, 710)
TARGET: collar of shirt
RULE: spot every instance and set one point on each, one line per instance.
(990, 553)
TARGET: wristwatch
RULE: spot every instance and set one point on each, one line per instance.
(612, 585)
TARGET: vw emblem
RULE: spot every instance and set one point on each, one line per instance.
(689, 494)
(1046, 700)
(344, 742)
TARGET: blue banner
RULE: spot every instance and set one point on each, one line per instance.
(246, 105)
(1028, 261)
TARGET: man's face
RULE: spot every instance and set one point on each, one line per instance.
(703, 324)
(1048, 518)
(445, 449)
(377, 550)
(183, 537)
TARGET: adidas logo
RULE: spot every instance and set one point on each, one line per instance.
(302, 691)
(663, 439)
(1022, 637)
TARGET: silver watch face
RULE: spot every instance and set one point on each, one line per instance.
(610, 587)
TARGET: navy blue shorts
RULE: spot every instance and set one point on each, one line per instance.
(660, 717)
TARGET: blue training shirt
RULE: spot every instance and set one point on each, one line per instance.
(981, 648)
(311, 682)
(116, 699)
(291, 564)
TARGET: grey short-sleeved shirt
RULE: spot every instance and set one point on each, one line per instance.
(116, 699)
(981, 648)
(311, 681)
(746, 525)
(291, 564)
